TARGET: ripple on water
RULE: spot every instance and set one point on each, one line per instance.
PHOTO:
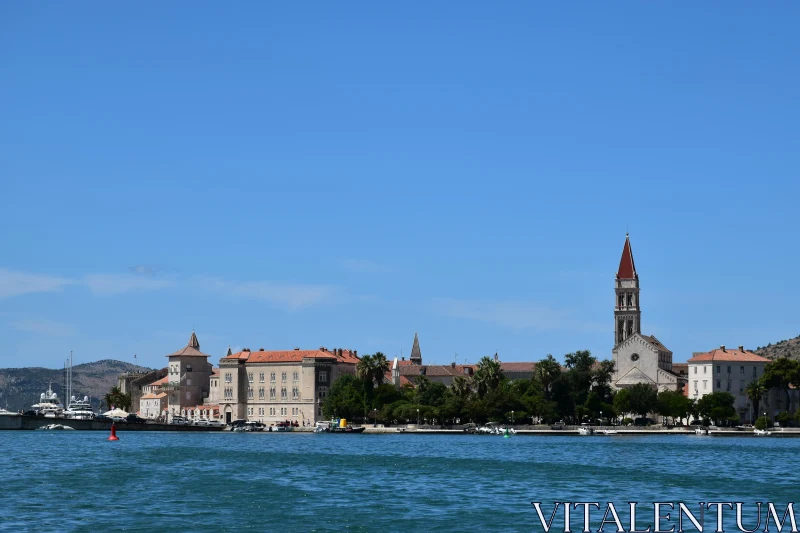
(77, 481)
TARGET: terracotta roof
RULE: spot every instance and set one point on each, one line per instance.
(192, 349)
(215, 372)
(517, 367)
(151, 396)
(435, 370)
(294, 356)
(722, 354)
(627, 270)
(677, 367)
(161, 381)
(655, 342)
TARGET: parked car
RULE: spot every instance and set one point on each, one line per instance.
(133, 418)
(215, 423)
(118, 419)
(180, 421)
(202, 422)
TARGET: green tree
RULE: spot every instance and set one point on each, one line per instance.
(488, 375)
(365, 368)
(460, 387)
(380, 366)
(755, 391)
(717, 406)
(643, 399)
(116, 399)
(546, 372)
(782, 374)
(346, 398)
(622, 402)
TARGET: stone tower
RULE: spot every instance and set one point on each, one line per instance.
(416, 353)
(627, 313)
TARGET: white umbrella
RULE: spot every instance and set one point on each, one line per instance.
(116, 412)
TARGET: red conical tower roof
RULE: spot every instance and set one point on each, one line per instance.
(627, 270)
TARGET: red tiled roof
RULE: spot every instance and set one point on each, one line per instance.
(293, 356)
(627, 270)
(152, 396)
(517, 367)
(161, 381)
(736, 356)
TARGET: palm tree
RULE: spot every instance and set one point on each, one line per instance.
(380, 367)
(460, 387)
(365, 368)
(488, 375)
(755, 391)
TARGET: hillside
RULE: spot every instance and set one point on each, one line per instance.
(20, 387)
(788, 348)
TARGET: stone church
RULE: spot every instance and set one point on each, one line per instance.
(637, 358)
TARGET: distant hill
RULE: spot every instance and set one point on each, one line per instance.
(788, 348)
(21, 387)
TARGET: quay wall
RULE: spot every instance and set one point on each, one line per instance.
(35, 422)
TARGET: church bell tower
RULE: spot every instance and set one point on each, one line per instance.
(627, 313)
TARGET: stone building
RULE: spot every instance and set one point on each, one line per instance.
(153, 405)
(637, 358)
(136, 383)
(276, 386)
(189, 377)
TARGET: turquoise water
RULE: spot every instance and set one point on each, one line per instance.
(77, 481)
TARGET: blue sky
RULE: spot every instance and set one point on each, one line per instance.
(348, 174)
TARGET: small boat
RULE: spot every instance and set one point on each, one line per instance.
(585, 430)
(762, 432)
(701, 431)
(55, 426)
(6, 412)
(608, 431)
(340, 425)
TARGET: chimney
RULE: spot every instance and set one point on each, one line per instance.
(355, 353)
(403, 358)
(453, 364)
(741, 349)
(296, 349)
(261, 349)
(722, 347)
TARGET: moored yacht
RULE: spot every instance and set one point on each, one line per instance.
(49, 405)
(79, 409)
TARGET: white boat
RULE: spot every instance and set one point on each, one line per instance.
(585, 431)
(6, 412)
(55, 426)
(701, 431)
(608, 431)
(762, 432)
(49, 405)
(79, 409)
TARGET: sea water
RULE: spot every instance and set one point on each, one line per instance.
(150, 481)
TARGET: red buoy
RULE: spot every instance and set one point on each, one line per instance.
(113, 432)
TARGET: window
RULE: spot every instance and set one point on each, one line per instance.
(272, 377)
(704, 369)
(272, 393)
(695, 369)
(695, 384)
(705, 384)
(323, 376)
(250, 393)
(283, 393)
(754, 371)
(296, 377)
(188, 368)
(283, 377)
(741, 370)
(729, 369)
(228, 377)
(261, 378)
(741, 385)
(718, 370)
(261, 393)
(250, 377)
(295, 393)
(729, 385)
(718, 384)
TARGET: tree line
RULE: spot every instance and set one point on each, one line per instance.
(578, 392)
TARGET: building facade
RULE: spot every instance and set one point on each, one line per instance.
(279, 386)
(637, 358)
(732, 370)
(189, 377)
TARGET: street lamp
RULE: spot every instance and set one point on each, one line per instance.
(601, 418)
(512, 417)
(417, 416)
(374, 417)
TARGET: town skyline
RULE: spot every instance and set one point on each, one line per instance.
(347, 176)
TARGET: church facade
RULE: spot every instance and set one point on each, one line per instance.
(637, 358)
